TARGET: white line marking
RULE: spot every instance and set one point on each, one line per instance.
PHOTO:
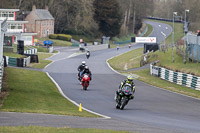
(60, 90)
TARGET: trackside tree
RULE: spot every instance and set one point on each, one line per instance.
(108, 17)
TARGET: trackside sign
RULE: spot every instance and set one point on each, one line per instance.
(145, 39)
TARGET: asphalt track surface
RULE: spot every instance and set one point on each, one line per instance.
(152, 110)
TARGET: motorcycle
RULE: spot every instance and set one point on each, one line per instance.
(87, 55)
(124, 97)
(85, 81)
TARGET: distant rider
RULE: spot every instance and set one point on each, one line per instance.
(88, 54)
(129, 80)
(87, 71)
(81, 68)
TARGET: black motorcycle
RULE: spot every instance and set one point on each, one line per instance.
(87, 54)
(124, 97)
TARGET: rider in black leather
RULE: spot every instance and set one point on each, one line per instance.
(87, 71)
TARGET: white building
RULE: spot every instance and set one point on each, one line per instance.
(16, 29)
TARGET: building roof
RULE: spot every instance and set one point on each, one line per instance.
(17, 22)
(9, 10)
(43, 14)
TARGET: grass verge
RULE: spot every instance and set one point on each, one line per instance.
(166, 61)
(127, 61)
(150, 29)
(37, 129)
(34, 92)
(42, 60)
(144, 75)
(55, 42)
(14, 55)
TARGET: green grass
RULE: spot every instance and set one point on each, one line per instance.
(41, 49)
(124, 38)
(34, 92)
(126, 61)
(14, 55)
(42, 60)
(56, 42)
(166, 61)
(150, 29)
(37, 129)
(145, 76)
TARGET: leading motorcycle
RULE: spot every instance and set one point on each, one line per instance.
(124, 97)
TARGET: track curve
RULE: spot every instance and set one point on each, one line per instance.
(152, 106)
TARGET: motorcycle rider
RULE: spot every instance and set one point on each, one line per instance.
(88, 54)
(129, 80)
(81, 68)
(87, 71)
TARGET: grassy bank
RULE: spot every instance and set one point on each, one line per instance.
(127, 61)
(144, 75)
(37, 129)
(33, 91)
(55, 42)
(119, 63)
(149, 31)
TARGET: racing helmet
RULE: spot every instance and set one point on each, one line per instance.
(130, 78)
(83, 63)
(86, 68)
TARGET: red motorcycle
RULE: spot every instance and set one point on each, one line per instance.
(85, 81)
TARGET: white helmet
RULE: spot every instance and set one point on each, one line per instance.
(83, 63)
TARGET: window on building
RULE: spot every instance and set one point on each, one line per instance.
(9, 26)
(20, 26)
(11, 14)
(5, 14)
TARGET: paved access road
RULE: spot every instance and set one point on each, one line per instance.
(152, 110)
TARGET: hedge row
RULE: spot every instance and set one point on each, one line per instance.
(60, 37)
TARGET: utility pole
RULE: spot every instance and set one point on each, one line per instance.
(185, 45)
(174, 13)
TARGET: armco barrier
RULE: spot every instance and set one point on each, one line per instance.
(17, 62)
(184, 79)
(31, 51)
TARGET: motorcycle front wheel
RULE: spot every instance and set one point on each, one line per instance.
(85, 86)
(123, 103)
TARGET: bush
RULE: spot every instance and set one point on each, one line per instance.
(53, 36)
(60, 37)
(64, 37)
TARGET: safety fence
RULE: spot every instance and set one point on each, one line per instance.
(31, 51)
(179, 78)
(17, 62)
(164, 19)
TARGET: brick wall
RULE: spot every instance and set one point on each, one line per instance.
(42, 27)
